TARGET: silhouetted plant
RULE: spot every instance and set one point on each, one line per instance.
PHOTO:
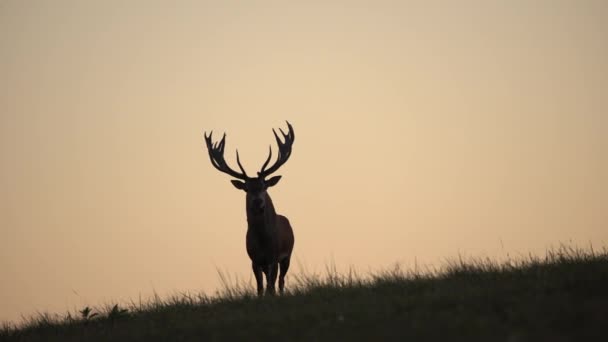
(116, 312)
(86, 314)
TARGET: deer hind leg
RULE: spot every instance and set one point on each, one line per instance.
(257, 271)
(284, 268)
(271, 278)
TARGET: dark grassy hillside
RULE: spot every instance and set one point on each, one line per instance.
(562, 297)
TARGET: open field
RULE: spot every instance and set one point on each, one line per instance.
(560, 297)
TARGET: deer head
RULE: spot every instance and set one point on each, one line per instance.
(255, 187)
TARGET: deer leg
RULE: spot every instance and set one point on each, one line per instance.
(284, 267)
(271, 278)
(257, 271)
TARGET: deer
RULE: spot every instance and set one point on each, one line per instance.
(269, 238)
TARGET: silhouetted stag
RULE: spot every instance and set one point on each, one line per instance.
(269, 235)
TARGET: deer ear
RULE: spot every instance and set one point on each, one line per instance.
(238, 184)
(273, 181)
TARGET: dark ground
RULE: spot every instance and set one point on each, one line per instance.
(562, 297)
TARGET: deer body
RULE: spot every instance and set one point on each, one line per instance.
(269, 238)
(269, 242)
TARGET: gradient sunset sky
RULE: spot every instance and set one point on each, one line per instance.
(424, 130)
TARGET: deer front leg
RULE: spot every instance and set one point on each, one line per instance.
(271, 278)
(257, 272)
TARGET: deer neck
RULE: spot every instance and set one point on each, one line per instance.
(262, 223)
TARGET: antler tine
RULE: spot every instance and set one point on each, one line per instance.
(267, 159)
(291, 131)
(238, 161)
(216, 155)
(284, 135)
(284, 151)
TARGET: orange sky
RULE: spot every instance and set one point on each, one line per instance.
(424, 129)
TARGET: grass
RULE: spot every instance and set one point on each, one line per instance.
(560, 297)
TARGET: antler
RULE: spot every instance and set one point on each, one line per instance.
(216, 154)
(284, 151)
